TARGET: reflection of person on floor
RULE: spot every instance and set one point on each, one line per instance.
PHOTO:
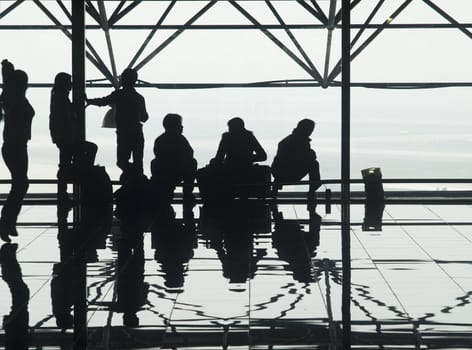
(174, 242)
(15, 324)
(132, 291)
(134, 210)
(62, 293)
(96, 194)
(296, 246)
(230, 229)
(130, 114)
(16, 134)
(174, 160)
(295, 159)
(64, 129)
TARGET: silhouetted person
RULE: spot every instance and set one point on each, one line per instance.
(238, 147)
(15, 324)
(16, 134)
(296, 246)
(174, 161)
(64, 128)
(295, 159)
(130, 114)
(233, 168)
(174, 241)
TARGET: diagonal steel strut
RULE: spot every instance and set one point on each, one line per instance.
(313, 72)
(152, 33)
(291, 36)
(10, 8)
(337, 69)
(175, 35)
(106, 29)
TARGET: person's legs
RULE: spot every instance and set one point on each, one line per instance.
(123, 151)
(65, 170)
(190, 173)
(16, 160)
(313, 168)
(138, 150)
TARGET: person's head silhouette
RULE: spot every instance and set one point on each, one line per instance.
(304, 128)
(20, 81)
(172, 123)
(235, 125)
(62, 83)
(129, 77)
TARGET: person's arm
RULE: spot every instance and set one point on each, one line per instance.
(156, 147)
(144, 116)
(103, 101)
(220, 154)
(188, 150)
(7, 72)
(259, 154)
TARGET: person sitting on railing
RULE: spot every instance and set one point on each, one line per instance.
(238, 147)
(16, 134)
(232, 172)
(174, 161)
(295, 159)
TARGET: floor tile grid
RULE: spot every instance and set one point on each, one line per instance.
(445, 221)
(379, 271)
(405, 230)
(326, 303)
(447, 314)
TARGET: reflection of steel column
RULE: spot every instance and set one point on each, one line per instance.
(78, 100)
(345, 172)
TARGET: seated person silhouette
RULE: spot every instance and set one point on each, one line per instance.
(233, 164)
(18, 115)
(130, 114)
(173, 162)
(238, 147)
(295, 159)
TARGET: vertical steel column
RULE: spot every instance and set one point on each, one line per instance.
(345, 172)
(78, 101)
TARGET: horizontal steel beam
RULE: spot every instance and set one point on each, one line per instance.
(240, 26)
(277, 84)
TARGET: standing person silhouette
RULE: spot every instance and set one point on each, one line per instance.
(130, 114)
(16, 134)
(174, 160)
(64, 126)
(295, 159)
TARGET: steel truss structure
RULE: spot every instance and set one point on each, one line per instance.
(108, 16)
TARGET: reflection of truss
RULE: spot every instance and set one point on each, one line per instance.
(327, 19)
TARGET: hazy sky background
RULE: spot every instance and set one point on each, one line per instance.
(408, 133)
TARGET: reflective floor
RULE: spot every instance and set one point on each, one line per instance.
(254, 276)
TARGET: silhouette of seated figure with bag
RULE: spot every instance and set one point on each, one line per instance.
(295, 159)
(173, 162)
(232, 172)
